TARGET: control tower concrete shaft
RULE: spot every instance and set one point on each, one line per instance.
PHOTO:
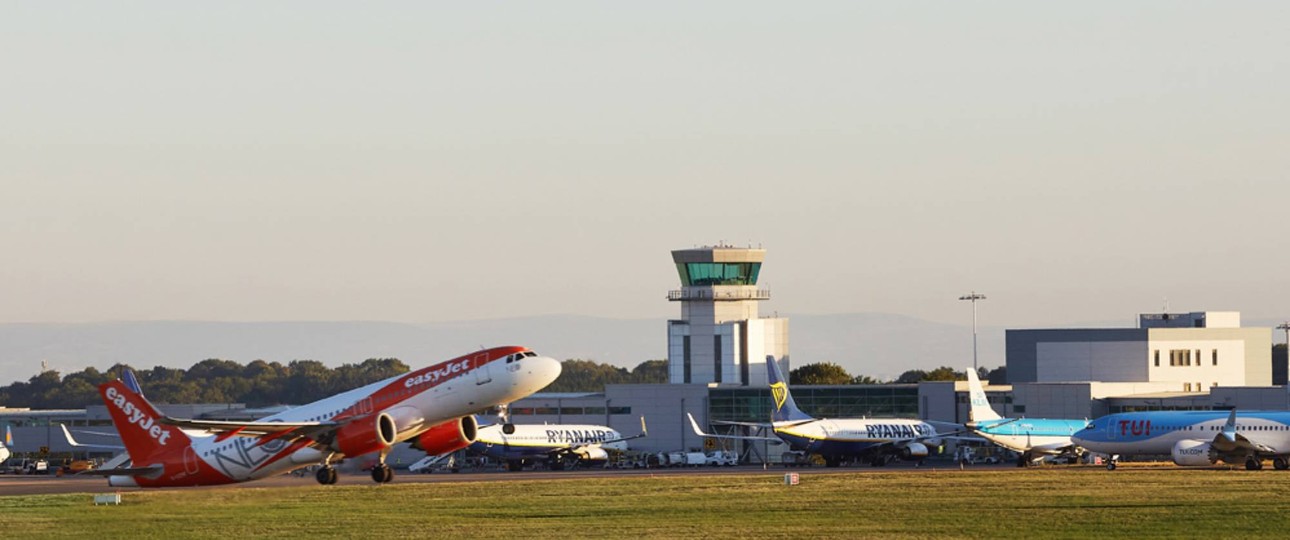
(719, 337)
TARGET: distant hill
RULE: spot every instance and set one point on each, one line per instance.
(875, 344)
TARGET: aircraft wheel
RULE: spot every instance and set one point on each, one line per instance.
(1253, 464)
(1023, 460)
(508, 428)
(326, 476)
(1110, 465)
(1280, 464)
(381, 473)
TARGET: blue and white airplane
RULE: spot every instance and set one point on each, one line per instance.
(1033, 438)
(1193, 438)
(876, 440)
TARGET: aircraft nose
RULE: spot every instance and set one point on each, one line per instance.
(545, 370)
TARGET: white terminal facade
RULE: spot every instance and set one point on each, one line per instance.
(720, 338)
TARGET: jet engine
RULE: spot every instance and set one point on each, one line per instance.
(447, 437)
(1193, 453)
(365, 434)
(913, 451)
(592, 453)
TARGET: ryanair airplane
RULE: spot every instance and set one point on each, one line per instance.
(1193, 438)
(1033, 438)
(877, 440)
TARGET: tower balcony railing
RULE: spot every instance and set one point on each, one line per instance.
(718, 294)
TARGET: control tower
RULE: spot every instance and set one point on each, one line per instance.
(719, 337)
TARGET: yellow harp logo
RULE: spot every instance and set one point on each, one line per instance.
(779, 391)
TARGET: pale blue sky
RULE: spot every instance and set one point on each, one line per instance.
(430, 161)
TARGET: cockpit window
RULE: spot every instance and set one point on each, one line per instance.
(1089, 426)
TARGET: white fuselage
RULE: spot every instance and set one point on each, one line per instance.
(548, 437)
(465, 392)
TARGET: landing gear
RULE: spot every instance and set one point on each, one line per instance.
(326, 475)
(832, 461)
(1253, 463)
(1110, 463)
(1280, 464)
(382, 473)
(504, 414)
(1023, 460)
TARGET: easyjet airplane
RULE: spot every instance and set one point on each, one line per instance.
(430, 407)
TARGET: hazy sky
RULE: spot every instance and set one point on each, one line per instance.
(439, 161)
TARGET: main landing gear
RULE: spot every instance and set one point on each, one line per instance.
(1110, 463)
(1253, 463)
(1280, 464)
(326, 474)
(382, 473)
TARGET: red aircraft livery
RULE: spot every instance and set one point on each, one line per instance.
(431, 408)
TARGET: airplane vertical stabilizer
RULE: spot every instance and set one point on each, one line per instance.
(785, 408)
(981, 409)
(139, 423)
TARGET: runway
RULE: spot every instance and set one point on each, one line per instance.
(18, 485)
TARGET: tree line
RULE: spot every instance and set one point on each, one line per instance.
(257, 384)
(830, 373)
(263, 384)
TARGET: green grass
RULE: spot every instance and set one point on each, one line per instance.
(1056, 502)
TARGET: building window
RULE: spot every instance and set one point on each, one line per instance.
(685, 356)
(1018, 408)
(1213, 356)
(1157, 357)
(716, 359)
(1186, 387)
(620, 410)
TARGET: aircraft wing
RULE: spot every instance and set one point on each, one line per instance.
(265, 431)
(72, 442)
(695, 426)
(1229, 440)
(644, 432)
(124, 471)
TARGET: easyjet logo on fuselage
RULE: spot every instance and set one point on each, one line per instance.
(137, 416)
(446, 371)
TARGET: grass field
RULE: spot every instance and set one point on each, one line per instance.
(1161, 502)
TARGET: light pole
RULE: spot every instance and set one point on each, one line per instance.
(973, 298)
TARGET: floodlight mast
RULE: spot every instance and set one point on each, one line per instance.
(973, 297)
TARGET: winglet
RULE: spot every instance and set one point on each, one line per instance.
(695, 426)
(68, 434)
(1229, 429)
